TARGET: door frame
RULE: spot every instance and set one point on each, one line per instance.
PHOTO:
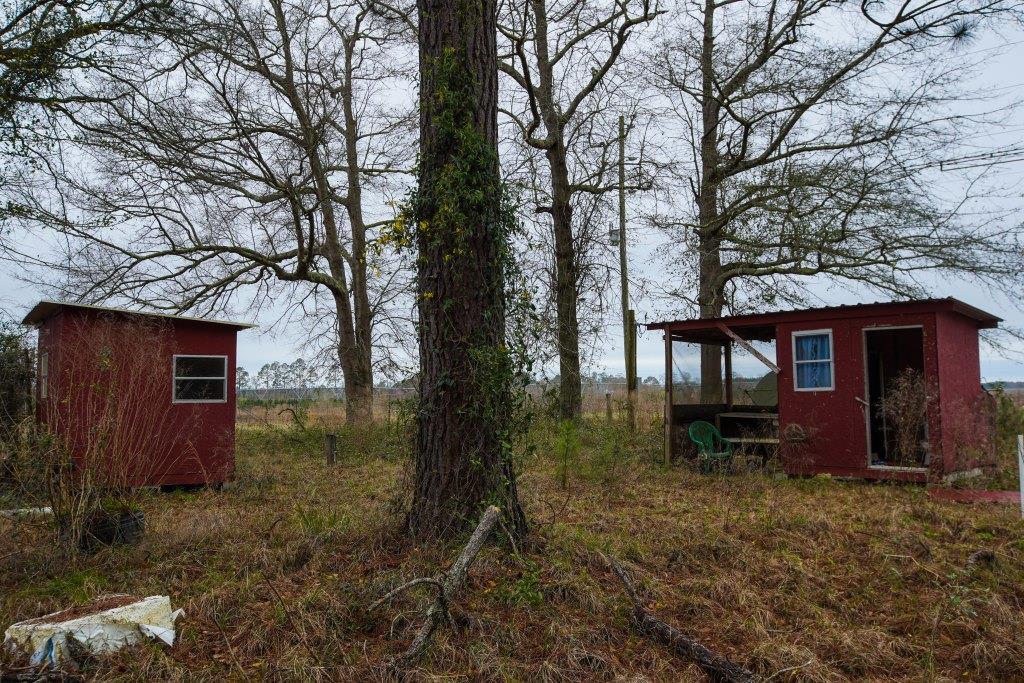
(866, 404)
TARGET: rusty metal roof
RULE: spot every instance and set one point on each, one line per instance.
(46, 308)
(761, 322)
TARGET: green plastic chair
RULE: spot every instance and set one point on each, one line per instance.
(711, 445)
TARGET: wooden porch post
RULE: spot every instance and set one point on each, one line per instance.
(728, 375)
(669, 427)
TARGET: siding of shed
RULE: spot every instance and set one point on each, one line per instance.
(966, 438)
(835, 420)
(192, 443)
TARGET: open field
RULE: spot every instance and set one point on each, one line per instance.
(807, 579)
(393, 407)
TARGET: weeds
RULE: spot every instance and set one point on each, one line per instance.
(567, 448)
(318, 521)
(905, 412)
(525, 591)
(824, 579)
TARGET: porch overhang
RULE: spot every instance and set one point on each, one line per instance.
(714, 331)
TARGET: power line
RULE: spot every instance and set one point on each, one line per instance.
(989, 49)
(1005, 156)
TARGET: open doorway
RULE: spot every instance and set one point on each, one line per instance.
(896, 397)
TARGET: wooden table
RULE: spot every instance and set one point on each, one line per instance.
(773, 418)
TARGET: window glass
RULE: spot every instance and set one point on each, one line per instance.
(814, 375)
(200, 378)
(199, 366)
(199, 389)
(812, 358)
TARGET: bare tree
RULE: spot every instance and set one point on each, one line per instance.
(46, 47)
(44, 43)
(560, 55)
(808, 131)
(234, 159)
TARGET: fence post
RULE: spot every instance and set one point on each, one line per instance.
(608, 406)
(1020, 470)
(631, 391)
(331, 448)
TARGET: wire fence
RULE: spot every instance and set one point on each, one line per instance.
(326, 405)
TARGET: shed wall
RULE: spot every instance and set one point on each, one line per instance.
(834, 420)
(966, 439)
(113, 374)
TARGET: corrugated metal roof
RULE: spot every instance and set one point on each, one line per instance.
(946, 303)
(46, 308)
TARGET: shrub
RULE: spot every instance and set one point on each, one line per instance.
(105, 428)
(906, 410)
(1009, 420)
(567, 449)
(16, 375)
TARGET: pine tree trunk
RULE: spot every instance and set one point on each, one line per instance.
(462, 462)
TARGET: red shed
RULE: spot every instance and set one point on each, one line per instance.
(142, 399)
(844, 387)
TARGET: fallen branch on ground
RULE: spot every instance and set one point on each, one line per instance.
(716, 667)
(429, 580)
(446, 585)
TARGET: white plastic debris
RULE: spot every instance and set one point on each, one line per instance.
(112, 622)
(26, 513)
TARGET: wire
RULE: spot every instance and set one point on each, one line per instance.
(1005, 156)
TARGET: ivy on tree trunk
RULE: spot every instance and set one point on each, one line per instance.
(463, 459)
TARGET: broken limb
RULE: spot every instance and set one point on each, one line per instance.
(406, 586)
(716, 667)
(446, 584)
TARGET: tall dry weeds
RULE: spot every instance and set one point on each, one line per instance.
(105, 424)
(905, 411)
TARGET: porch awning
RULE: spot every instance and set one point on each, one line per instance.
(712, 332)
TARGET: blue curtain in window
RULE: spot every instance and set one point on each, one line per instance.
(813, 347)
(813, 375)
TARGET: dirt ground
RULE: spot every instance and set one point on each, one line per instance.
(809, 579)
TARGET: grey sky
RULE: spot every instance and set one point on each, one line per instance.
(1002, 77)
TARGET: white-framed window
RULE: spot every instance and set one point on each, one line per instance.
(813, 361)
(44, 374)
(200, 379)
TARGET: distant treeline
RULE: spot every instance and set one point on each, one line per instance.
(253, 396)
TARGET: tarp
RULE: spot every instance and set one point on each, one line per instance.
(45, 639)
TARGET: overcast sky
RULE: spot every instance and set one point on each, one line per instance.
(1003, 77)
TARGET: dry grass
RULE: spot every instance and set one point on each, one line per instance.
(389, 409)
(817, 579)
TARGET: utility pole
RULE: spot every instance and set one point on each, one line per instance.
(628, 325)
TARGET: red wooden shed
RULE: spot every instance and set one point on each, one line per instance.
(138, 399)
(838, 374)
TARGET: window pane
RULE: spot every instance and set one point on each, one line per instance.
(813, 347)
(814, 375)
(196, 366)
(199, 389)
